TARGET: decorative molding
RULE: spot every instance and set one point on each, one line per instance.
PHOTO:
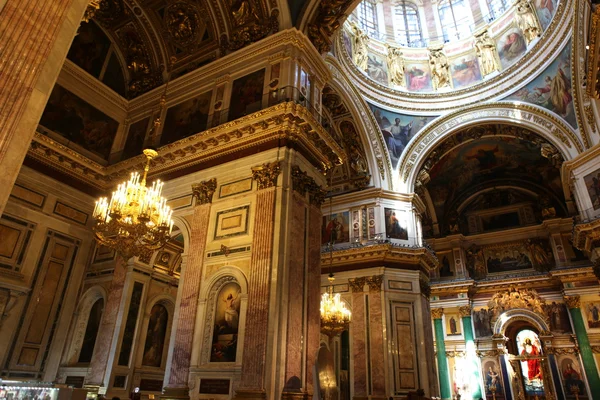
(436, 313)
(573, 302)
(203, 191)
(465, 311)
(266, 175)
(357, 284)
(374, 283)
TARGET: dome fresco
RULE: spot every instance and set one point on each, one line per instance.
(413, 48)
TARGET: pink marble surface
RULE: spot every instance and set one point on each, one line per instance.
(359, 346)
(106, 331)
(182, 350)
(313, 293)
(428, 339)
(255, 341)
(376, 344)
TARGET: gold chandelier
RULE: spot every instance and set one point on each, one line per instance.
(335, 317)
(137, 219)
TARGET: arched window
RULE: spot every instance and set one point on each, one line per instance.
(497, 8)
(367, 17)
(455, 18)
(155, 336)
(91, 332)
(407, 25)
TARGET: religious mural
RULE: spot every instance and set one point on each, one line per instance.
(89, 48)
(226, 324)
(135, 139)
(493, 380)
(558, 316)
(482, 321)
(505, 258)
(395, 227)
(592, 311)
(465, 70)
(418, 77)
(336, 228)
(453, 327)
(446, 268)
(545, 11)
(570, 372)
(377, 68)
(397, 130)
(155, 336)
(552, 88)
(246, 94)
(592, 182)
(186, 119)
(79, 122)
(529, 345)
(511, 46)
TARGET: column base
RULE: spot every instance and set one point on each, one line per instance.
(249, 394)
(175, 393)
(294, 396)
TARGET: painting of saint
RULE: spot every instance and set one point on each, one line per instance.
(418, 77)
(511, 46)
(135, 139)
(336, 229)
(593, 315)
(571, 375)
(397, 130)
(552, 89)
(592, 182)
(246, 94)
(377, 69)
(493, 380)
(89, 48)
(452, 324)
(559, 318)
(500, 259)
(226, 324)
(465, 71)
(445, 265)
(79, 122)
(395, 227)
(186, 119)
(545, 11)
(482, 322)
(155, 336)
(529, 346)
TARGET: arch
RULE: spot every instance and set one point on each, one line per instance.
(185, 229)
(505, 319)
(544, 123)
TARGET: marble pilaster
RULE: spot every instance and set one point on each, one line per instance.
(358, 331)
(378, 367)
(313, 292)
(443, 374)
(106, 332)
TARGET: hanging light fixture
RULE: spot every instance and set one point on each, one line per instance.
(335, 317)
(137, 219)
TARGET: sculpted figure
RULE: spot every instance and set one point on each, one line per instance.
(395, 66)
(487, 53)
(527, 20)
(440, 70)
(360, 40)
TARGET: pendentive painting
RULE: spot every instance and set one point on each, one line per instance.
(592, 311)
(246, 94)
(135, 139)
(592, 183)
(395, 225)
(511, 46)
(397, 130)
(465, 71)
(552, 88)
(79, 122)
(186, 119)
(336, 228)
(377, 68)
(226, 324)
(155, 336)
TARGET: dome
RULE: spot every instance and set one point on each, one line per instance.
(423, 47)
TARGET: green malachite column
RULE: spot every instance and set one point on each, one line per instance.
(587, 356)
(475, 375)
(444, 377)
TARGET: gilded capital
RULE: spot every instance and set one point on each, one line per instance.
(465, 311)
(437, 313)
(357, 284)
(573, 301)
(266, 175)
(374, 283)
(203, 191)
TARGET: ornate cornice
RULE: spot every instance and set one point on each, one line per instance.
(436, 313)
(586, 236)
(203, 191)
(266, 175)
(573, 301)
(302, 183)
(382, 255)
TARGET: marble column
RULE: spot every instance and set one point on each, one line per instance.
(252, 385)
(35, 36)
(471, 354)
(377, 347)
(178, 375)
(359, 340)
(106, 331)
(587, 356)
(428, 341)
(440, 345)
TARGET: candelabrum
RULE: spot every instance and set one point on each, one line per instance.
(137, 219)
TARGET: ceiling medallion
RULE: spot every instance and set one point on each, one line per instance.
(183, 23)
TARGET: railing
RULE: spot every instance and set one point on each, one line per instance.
(377, 239)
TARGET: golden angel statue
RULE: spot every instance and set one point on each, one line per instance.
(527, 20)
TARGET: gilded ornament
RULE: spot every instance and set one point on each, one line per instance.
(591, 119)
(266, 175)
(91, 9)
(440, 69)
(527, 20)
(374, 283)
(437, 313)
(395, 63)
(357, 284)
(360, 43)
(203, 191)
(465, 311)
(487, 53)
(182, 22)
(517, 298)
(573, 302)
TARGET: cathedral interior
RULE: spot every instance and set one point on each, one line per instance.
(361, 199)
